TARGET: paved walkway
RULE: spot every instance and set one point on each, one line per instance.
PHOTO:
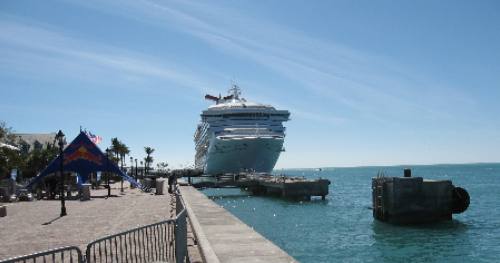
(224, 238)
(35, 226)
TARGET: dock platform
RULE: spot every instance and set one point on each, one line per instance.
(264, 184)
(224, 238)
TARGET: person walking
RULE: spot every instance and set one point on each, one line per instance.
(170, 182)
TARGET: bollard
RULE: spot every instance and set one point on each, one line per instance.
(85, 192)
(159, 187)
(3, 211)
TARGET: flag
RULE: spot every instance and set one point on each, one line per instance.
(96, 139)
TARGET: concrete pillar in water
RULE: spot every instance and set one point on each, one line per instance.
(406, 200)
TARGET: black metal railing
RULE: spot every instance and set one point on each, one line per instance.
(165, 241)
(60, 255)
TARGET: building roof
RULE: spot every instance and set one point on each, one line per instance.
(31, 138)
(8, 146)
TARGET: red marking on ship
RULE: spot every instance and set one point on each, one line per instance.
(84, 154)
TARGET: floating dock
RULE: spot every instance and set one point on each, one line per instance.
(410, 200)
(265, 184)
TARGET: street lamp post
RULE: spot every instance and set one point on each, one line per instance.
(60, 140)
(135, 168)
(107, 172)
(131, 171)
(121, 180)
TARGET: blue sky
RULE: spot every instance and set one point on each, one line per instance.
(366, 82)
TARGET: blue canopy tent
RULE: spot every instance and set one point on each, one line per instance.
(83, 157)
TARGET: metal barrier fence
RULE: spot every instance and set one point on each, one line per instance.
(60, 255)
(144, 244)
(164, 241)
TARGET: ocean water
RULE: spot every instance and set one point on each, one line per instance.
(342, 229)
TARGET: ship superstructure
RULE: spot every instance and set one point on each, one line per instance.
(236, 135)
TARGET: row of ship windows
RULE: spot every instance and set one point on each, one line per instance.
(249, 122)
(243, 126)
(244, 115)
(242, 119)
(226, 131)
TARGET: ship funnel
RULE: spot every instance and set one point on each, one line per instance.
(210, 97)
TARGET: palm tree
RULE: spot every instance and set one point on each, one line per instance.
(120, 150)
(148, 159)
(123, 151)
(115, 147)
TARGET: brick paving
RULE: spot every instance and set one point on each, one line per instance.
(36, 226)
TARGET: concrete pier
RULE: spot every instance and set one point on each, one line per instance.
(222, 237)
(409, 200)
(264, 184)
(291, 187)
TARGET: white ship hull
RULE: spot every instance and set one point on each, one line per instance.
(239, 136)
(255, 154)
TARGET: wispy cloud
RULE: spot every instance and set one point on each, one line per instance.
(29, 46)
(372, 86)
(356, 82)
(200, 45)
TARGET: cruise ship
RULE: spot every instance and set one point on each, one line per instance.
(236, 135)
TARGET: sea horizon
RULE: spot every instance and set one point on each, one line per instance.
(389, 165)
